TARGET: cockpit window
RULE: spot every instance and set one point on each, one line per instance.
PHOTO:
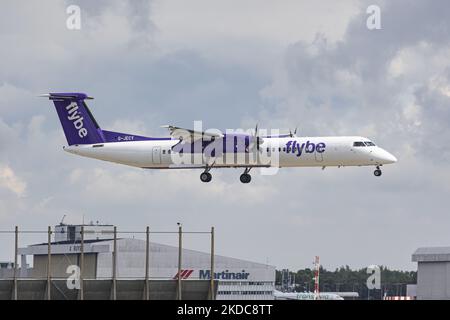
(358, 144)
(370, 144)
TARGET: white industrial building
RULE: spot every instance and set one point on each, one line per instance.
(238, 279)
(433, 273)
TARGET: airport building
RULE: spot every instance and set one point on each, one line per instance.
(433, 273)
(237, 279)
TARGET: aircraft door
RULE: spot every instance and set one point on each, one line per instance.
(156, 154)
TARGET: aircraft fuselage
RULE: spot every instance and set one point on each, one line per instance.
(278, 152)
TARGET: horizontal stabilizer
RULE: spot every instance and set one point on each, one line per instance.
(66, 96)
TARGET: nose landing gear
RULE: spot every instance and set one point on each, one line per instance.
(377, 172)
(245, 177)
(206, 176)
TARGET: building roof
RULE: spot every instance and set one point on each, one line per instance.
(71, 242)
(431, 254)
(127, 245)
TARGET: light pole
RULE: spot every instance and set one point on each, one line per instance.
(180, 246)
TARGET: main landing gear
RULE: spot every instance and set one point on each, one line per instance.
(205, 176)
(245, 177)
(377, 172)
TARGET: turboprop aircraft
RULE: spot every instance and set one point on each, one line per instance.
(191, 148)
(278, 295)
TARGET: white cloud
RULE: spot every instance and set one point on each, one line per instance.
(75, 175)
(412, 114)
(10, 181)
(441, 83)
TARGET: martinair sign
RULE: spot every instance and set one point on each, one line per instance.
(206, 274)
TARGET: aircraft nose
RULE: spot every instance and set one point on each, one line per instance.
(386, 157)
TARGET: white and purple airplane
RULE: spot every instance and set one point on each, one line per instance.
(188, 149)
(278, 295)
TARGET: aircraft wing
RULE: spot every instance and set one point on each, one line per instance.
(189, 135)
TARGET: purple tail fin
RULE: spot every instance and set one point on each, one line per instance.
(76, 119)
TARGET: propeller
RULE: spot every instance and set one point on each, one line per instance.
(257, 138)
(293, 134)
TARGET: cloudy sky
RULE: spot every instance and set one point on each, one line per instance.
(232, 64)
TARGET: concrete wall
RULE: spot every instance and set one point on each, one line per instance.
(6, 273)
(102, 290)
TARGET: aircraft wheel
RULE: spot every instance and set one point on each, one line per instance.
(205, 177)
(377, 172)
(245, 178)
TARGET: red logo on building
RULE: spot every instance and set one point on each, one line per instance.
(184, 274)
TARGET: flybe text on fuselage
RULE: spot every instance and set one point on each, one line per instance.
(76, 119)
(298, 148)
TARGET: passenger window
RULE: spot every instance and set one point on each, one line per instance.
(164, 151)
(268, 150)
(358, 144)
(284, 149)
(168, 151)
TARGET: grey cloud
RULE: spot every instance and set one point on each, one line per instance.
(350, 82)
(137, 12)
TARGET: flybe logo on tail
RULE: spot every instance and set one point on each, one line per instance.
(306, 147)
(76, 119)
